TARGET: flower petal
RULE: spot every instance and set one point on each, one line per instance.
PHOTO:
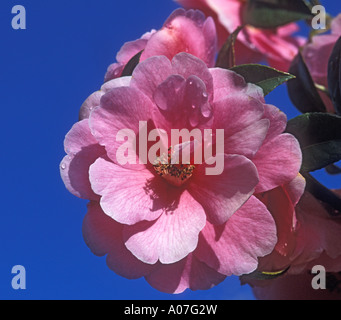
(227, 82)
(149, 74)
(189, 273)
(121, 108)
(94, 99)
(82, 150)
(170, 238)
(103, 235)
(222, 195)
(278, 121)
(188, 65)
(234, 247)
(183, 32)
(278, 162)
(241, 118)
(128, 196)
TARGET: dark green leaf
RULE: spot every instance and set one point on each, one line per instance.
(330, 199)
(131, 65)
(334, 76)
(302, 90)
(321, 155)
(275, 13)
(333, 169)
(319, 135)
(226, 57)
(265, 77)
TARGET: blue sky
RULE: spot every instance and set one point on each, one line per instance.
(46, 72)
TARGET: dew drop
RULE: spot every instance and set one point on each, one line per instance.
(63, 166)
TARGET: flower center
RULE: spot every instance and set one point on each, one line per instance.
(176, 174)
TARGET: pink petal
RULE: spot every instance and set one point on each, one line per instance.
(188, 65)
(278, 121)
(149, 74)
(228, 11)
(275, 46)
(283, 211)
(130, 49)
(103, 235)
(121, 108)
(281, 204)
(128, 196)
(189, 273)
(278, 162)
(94, 99)
(227, 82)
(89, 104)
(222, 195)
(79, 137)
(295, 189)
(210, 33)
(336, 25)
(82, 150)
(182, 104)
(114, 71)
(248, 141)
(318, 232)
(196, 16)
(170, 238)
(234, 247)
(183, 32)
(241, 118)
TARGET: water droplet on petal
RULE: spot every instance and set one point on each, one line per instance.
(206, 110)
(194, 119)
(63, 166)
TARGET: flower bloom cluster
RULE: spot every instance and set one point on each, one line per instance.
(188, 224)
(278, 46)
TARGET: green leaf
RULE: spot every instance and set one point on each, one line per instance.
(131, 65)
(265, 77)
(319, 135)
(226, 57)
(275, 13)
(333, 169)
(321, 155)
(334, 76)
(332, 202)
(302, 90)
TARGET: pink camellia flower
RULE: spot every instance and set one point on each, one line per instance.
(316, 55)
(175, 224)
(317, 243)
(281, 202)
(184, 31)
(278, 46)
